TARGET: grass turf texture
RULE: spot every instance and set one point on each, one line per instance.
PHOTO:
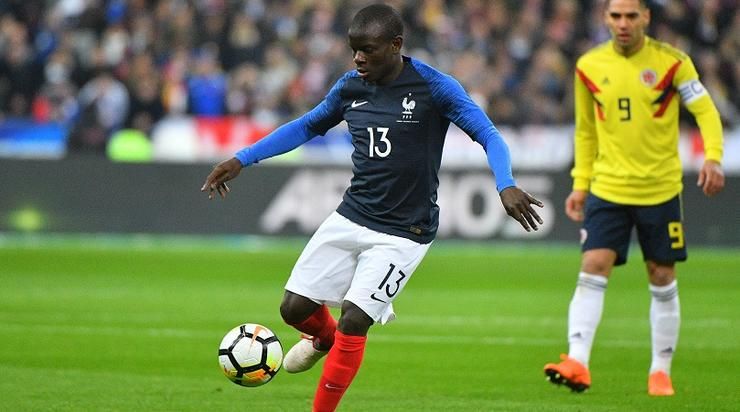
(117, 328)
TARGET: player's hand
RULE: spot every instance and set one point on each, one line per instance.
(574, 205)
(711, 178)
(518, 205)
(222, 173)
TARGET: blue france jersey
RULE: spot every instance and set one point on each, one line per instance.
(398, 131)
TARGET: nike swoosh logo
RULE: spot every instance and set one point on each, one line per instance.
(374, 298)
(355, 103)
(330, 386)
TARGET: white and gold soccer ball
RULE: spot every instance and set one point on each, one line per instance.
(250, 355)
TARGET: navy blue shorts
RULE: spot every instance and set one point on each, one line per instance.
(659, 229)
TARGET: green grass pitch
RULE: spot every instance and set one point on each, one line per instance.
(97, 326)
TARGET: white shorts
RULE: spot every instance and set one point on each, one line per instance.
(346, 261)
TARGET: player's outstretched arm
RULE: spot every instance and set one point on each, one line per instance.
(221, 173)
(518, 205)
(711, 178)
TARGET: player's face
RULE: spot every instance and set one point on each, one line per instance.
(627, 21)
(377, 59)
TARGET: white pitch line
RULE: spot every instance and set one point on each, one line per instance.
(534, 321)
(55, 329)
(416, 320)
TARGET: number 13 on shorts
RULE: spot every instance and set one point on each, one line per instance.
(389, 290)
(675, 232)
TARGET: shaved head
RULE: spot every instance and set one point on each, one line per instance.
(377, 20)
(643, 3)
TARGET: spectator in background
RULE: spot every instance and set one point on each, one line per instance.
(707, 27)
(174, 22)
(56, 102)
(145, 90)
(710, 64)
(104, 104)
(57, 99)
(207, 85)
(729, 69)
(146, 105)
(243, 83)
(278, 71)
(544, 87)
(110, 99)
(244, 42)
(174, 89)
(115, 44)
(20, 77)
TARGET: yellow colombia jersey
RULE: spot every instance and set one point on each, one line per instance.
(626, 138)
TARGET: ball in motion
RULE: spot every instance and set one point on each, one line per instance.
(250, 355)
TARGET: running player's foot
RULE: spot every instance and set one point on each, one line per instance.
(569, 372)
(302, 356)
(659, 384)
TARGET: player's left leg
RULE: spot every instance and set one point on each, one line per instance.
(344, 359)
(665, 320)
(605, 242)
(660, 232)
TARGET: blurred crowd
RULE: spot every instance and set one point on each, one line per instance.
(97, 66)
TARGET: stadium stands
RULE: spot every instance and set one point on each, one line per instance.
(95, 67)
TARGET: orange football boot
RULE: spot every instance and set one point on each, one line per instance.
(569, 372)
(659, 384)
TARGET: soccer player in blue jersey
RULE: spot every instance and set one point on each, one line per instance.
(398, 110)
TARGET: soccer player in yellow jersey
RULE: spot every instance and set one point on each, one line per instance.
(628, 174)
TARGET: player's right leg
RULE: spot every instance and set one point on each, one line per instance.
(317, 326)
(569, 372)
(303, 355)
(605, 241)
(321, 276)
(584, 315)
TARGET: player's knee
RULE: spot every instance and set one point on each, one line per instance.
(287, 313)
(598, 261)
(354, 321)
(295, 309)
(661, 275)
(597, 268)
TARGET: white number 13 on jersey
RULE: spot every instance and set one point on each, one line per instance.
(373, 149)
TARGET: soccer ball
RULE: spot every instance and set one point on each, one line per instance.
(250, 355)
